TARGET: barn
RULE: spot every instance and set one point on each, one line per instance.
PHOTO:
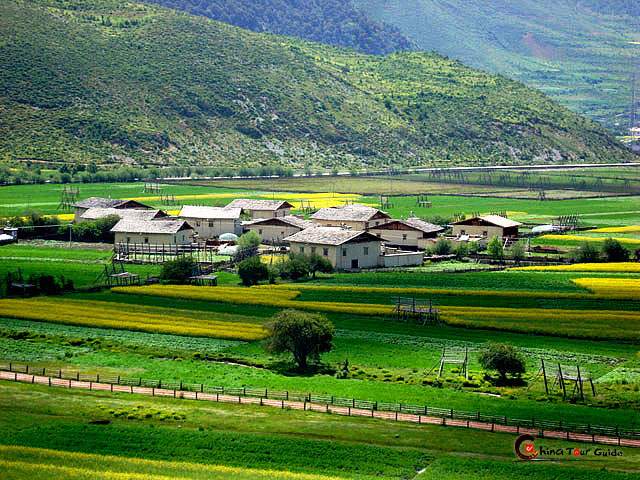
(173, 231)
(93, 214)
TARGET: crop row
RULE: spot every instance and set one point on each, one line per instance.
(553, 236)
(138, 318)
(424, 291)
(627, 229)
(596, 324)
(269, 296)
(27, 462)
(126, 337)
(624, 267)
(615, 288)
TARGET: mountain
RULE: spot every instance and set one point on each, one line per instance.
(576, 51)
(119, 82)
(334, 22)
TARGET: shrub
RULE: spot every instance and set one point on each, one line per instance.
(614, 251)
(249, 240)
(305, 335)
(585, 253)
(178, 270)
(252, 271)
(461, 250)
(495, 249)
(46, 284)
(517, 252)
(294, 269)
(503, 358)
(442, 247)
(96, 231)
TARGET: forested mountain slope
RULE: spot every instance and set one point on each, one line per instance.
(335, 22)
(576, 51)
(124, 82)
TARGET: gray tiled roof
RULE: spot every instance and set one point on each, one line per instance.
(249, 204)
(128, 213)
(289, 219)
(348, 213)
(414, 223)
(171, 226)
(329, 236)
(97, 202)
(218, 213)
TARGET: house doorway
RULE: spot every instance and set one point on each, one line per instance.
(354, 263)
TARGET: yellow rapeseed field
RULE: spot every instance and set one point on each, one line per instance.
(91, 313)
(45, 464)
(627, 229)
(601, 324)
(617, 288)
(269, 296)
(626, 267)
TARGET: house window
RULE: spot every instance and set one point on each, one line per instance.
(366, 250)
(404, 236)
(128, 239)
(197, 223)
(463, 232)
(301, 249)
(313, 249)
(282, 234)
(325, 252)
(344, 253)
(174, 239)
(211, 223)
(485, 233)
(259, 231)
(146, 239)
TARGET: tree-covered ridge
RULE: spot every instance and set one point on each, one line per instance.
(575, 51)
(335, 22)
(122, 82)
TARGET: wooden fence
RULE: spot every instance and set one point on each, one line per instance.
(585, 431)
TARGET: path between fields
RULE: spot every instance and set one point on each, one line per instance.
(312, 407)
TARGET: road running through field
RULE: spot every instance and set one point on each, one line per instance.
(312, 407)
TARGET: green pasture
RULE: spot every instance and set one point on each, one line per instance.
(282, 440)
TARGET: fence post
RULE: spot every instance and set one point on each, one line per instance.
(10, 368)
(349, 411)
(196, 392)
(90, 385)
(59, 373)
(118, 379)
(77, 376)
(97, 377)
(452, 413)
(153, 391)
(49, 381)
(201, 387)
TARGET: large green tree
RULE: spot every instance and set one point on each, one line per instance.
(305, 335)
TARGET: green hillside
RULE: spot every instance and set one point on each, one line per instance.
(576, 51)
(119, 82)
(334, 22)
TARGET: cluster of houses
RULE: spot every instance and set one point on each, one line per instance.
(351, 236)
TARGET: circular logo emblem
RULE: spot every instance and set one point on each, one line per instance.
(529, 450)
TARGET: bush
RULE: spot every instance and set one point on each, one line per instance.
(503, 358)
(293, 269)
(252, 271)
(178, 270)
(442, 247)
(614, 251)
(96, 231)
(495, 249)
(461, 250)
(249, 240)
(305, 335)
(517, 252)
(46, 284)
(585, 253)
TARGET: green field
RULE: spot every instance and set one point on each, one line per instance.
(280, 442)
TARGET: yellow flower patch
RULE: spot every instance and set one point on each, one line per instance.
(618, 288)
(625, 267)
(627, 229)
(553, 236)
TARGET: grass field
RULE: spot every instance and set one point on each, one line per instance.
(53, 423)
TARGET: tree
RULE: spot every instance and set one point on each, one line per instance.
(517, 252)
(316, 263)
(442, 247)
(614, 251)
(585, 253)
(294, 268)
(461, 250)
(249, 240)
(503, 358)
(178, 270)
(252, 271)
(495, 249)
(305, 335)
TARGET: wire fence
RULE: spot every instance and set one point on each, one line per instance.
(261, 393)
